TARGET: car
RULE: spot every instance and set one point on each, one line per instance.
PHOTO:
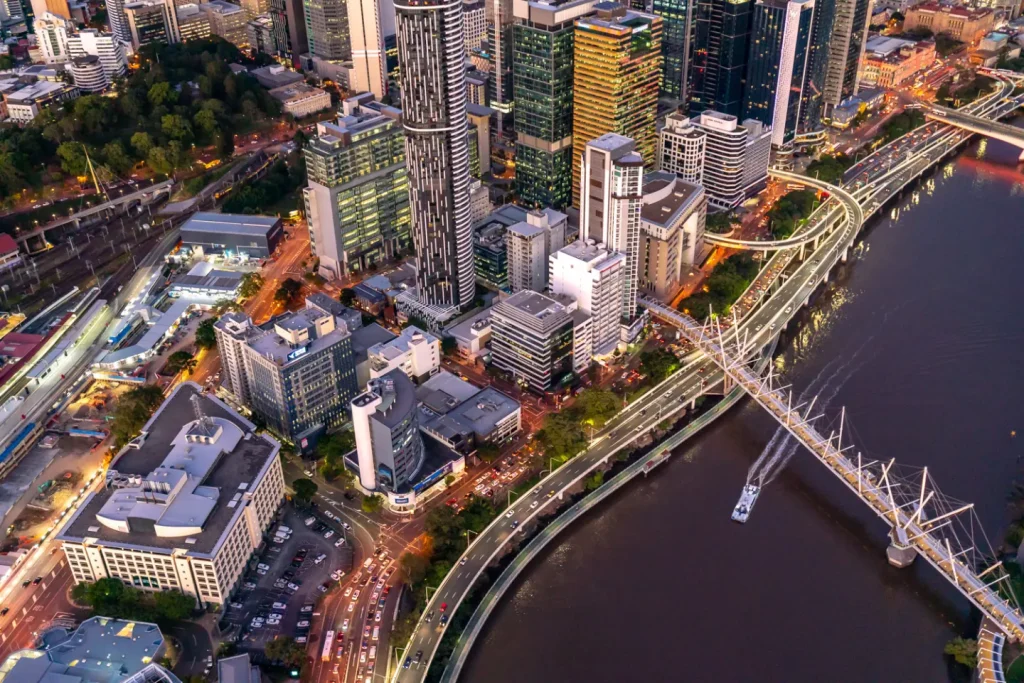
(340, 542)
(344, 625)
(444, 619)
(278, 539)
(419, 656)
(348, 591)
(362, 657)
(533, 505)
(293, 587)
(345, 526)
(355, 595)
(306, 609)
(337, 574)
(444, 606)
(301, 640)
(273, 622)
(510, 513)
(25, 583)
(328, 534)
(515, 524)
(302, 624)
(462, 561)
(319, 559)
(351, 606)
(261, 572)
(377, 615)
(407, 663)
(280, 605)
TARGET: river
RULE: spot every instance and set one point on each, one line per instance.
(920, 337)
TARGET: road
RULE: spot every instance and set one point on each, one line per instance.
(767, 317)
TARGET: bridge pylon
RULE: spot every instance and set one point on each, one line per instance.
(900, 553)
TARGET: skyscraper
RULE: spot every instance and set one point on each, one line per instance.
(432, 70)
(610, 208)
(817, 63)
(367, 42)
(676, 44)
(846, 49)
(327, 29)
(118, 20)
(357, 202)
(777, 71)
(289, 28)
(616, 79)
(719, 64)
(735, 157)
(542, 73)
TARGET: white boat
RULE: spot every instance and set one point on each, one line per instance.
(748, 497)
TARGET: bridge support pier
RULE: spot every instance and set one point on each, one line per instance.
(900, 553)
(846, 254)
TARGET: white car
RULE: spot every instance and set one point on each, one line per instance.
(275, 615)
(351, 606)
(336, 575)
(302, 624)
(355, 596)
(261, 572)
(328, 534)
(340, 542)
(344, 625)
(280, 605)
(348, 591)
(273, 622)
(376, 617)
(293, 587)
(263, 566)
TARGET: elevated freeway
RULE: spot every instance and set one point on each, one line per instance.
(793, 274)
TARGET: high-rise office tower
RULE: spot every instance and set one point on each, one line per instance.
(616, 79)
(108, 48)
(151, 21)
(367, 44)
(289, 28)
(735, 157)
(432, 71)
(385, 419)
(499, 39)
(676, 45)
(357, 202)
(610, 208)
(777, 70)
(52, 33)
(474, 24)
(719, 55)
(595, 277)
(542, 74)
(817, 63)
(846, 49)
(681, 148)
(12, 9)
(117, 18)
(327, 29)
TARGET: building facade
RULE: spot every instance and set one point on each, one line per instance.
(595, 277)
(289, 28)
(542, 76)
(736, 157)
(959, 23)
(327, 30)
(779, 67)
(532, 337)
(88, 74)
(610, 209)
(186, 503)
(530, 244)
(262, 37)
(721, 37)
(106, 46)
(385, 419)
(297, 373)
(357, 201)
(367, 42)
(676, 45)
(681, 147)
(890, 66)
(52, 33)
(432, 71)
(846, 48)
(616, 80)
(672, 239)
(228, 21)
(474, 24)
(414, 352)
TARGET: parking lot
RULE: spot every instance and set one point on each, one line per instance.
(279, 595)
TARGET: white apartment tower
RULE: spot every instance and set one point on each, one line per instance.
(735, 157)
(53, 33)
(611, 198)
(595, 277)
(681, 148)
(367, 43)
(530, 244)
(106, 46)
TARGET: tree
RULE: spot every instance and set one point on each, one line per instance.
(658, 364)
(562, 436)
(116, 159)
(179, 361)
(251, 285)
(830, 167)
(305, 489)
(413, 568)
(176, 127)
(6, 62)
(721, 222)
(206, 121)
(963, 651)
(287, 292)
(449, 345)
(597, 406)
(162, 93)
(132, 411)
(347, 297)
(372, 504)
(72, 158)
(332, 449)
(285, 649)
(142, 143)
(173, 605)
(594, 481)
(160, 161)
(487, 451)
(206, 338)
(225, 306)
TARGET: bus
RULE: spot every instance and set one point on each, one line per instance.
(328, 644)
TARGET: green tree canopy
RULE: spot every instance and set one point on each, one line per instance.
(305, 489)
(371, 504)
(596, 406)
(251, 285)
(179, 361)
(132, 410)
(963, 651)
(287, 292)
(658, 364)
(285, 649)
(206, 338)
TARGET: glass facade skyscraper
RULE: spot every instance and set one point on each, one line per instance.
(778, 65)
(846, 49)
(676, 43)
(542, 69)
(719, 56)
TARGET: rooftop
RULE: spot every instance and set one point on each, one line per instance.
(444, 392)
(667, 198)
(484, 411)
(310, 331)
(100, 650)
(295, 91)
(524, 229)
(394, 348)
(231, 224)
(398, 397)
(471, 327)
(367, 336)
(237, 669)
(183, 477)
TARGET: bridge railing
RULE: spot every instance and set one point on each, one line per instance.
(944, 531)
